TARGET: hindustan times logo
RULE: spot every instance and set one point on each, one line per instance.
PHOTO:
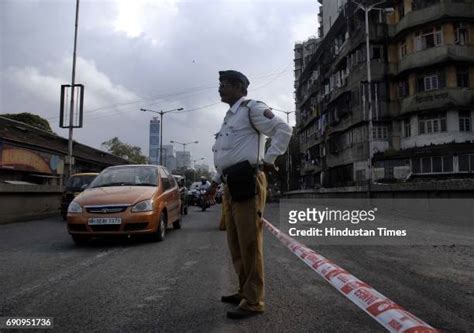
(321, 216)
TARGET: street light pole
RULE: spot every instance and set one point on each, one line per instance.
(366, 10)
(161, 113)
(184, 148)
(184, 144)
(199, 159)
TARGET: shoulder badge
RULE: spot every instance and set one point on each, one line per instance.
(268, 114)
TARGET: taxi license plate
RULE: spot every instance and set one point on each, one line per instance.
(104, 220)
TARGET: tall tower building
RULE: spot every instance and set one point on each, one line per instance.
(154, 152)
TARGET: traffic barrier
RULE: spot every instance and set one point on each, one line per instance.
(386, 312)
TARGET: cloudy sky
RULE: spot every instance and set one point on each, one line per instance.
(156, 54)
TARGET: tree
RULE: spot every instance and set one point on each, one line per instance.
(30, 119)
(131, 153)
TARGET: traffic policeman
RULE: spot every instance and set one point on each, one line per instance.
(241, 139)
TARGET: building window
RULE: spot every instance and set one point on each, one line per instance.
(407, 128)
(465, 121)
(432, 164)
(403, 88)
(462, 76)
(380, 133)
(448, 164)
(415, 165)
(428, 124)
(466, 163)
(403, 49)
(461, 33)
(428, 38)
(431, 81)
(376, 53)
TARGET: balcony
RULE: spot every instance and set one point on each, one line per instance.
(432, 56)
(437, 100)
(442, 10)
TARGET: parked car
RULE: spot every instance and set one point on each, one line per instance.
(75, 185)
(126, 200)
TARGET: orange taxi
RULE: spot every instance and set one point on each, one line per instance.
(126, 200)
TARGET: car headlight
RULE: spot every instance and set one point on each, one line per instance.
(143, 206)
(74, 207)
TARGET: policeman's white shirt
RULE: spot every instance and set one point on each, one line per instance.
(237, 140)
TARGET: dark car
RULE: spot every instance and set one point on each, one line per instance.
(75, 185)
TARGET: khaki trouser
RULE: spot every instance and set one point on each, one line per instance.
(245, 239)
(223, 214)
(222, 221)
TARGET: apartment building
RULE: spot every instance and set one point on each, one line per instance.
(431, 78)
(421, 60)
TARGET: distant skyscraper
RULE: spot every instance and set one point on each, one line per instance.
(169, 157)
(154, 152)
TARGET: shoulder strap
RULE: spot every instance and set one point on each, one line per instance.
(246, 104)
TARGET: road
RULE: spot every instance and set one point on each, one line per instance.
(175, 285)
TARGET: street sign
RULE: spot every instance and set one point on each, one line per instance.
(77, 105)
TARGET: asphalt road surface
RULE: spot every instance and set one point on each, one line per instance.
(176, 285)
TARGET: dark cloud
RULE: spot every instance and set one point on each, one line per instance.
(156, 57)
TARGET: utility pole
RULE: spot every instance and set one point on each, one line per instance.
(73, 79)
(184, 144)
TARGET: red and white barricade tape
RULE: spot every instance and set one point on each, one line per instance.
(386, 312)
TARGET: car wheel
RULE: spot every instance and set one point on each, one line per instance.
(80, 239)
(177, 224)
(160, 233)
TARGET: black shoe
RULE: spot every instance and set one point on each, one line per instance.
(241, 314)
(232, 299)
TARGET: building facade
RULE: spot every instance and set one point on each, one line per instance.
(29, 155)
(421, 97)
(183, 159)
(431, 82)
(169, 157)
(154, 142)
